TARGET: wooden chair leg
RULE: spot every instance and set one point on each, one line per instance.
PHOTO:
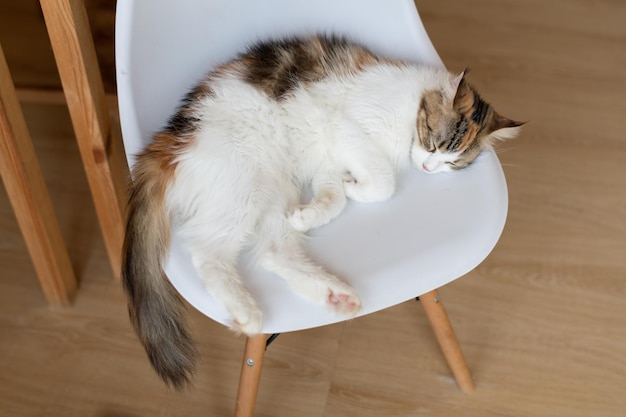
(250, 375)
(105, 166)
(447, 340)
(29, 197)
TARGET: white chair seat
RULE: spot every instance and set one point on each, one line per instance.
(434, 230)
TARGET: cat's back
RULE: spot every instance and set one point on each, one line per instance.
(259, 82)
(282, 96)
(261, 91)
(279, 67)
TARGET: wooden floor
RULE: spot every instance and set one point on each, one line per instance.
(542, 321)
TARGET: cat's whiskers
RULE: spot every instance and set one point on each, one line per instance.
(502, 150)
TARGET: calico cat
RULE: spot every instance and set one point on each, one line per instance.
(228, 171)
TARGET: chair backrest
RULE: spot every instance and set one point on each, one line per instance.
(389, 252)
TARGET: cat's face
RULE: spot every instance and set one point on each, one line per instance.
(453, 126)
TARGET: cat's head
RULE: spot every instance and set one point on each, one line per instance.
(454, 125)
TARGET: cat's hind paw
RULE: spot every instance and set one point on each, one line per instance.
(346, 303)
(248, 321)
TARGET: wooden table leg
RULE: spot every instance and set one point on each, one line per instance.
(447, 340)
(29, 197)
(103, 159)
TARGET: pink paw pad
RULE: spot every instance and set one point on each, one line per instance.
(344, 303)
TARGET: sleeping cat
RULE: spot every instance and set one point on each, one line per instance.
(229, 169)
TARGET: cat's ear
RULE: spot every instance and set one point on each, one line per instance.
(456, 82)
(503, 128)
(462, 99)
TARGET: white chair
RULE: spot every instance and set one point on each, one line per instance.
(390, 252)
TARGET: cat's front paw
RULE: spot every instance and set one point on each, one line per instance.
(247, 320)
(367, 191)
(303, 218)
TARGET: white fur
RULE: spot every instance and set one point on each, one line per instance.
(239, 184)
(432, 162)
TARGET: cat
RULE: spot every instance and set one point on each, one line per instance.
(228, 171)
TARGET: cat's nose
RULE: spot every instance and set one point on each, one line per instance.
(425, 167)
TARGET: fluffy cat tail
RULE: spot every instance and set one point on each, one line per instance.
(155, 308)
